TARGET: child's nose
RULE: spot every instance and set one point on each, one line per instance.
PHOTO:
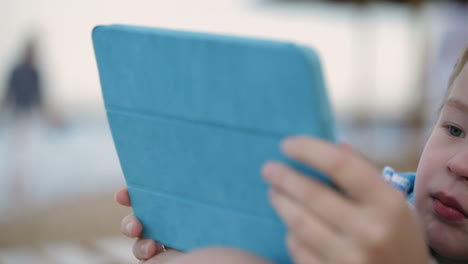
(458, 164)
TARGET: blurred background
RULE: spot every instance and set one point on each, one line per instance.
(386, 64)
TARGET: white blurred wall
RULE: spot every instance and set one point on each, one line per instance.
(372, 54)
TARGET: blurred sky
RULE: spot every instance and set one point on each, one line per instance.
(372, 53)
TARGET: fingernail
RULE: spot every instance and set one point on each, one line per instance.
(345, 146)
(286, 142)
(144, 249)
(270, 172)
(128, 227)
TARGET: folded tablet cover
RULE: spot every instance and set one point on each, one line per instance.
(194, 116)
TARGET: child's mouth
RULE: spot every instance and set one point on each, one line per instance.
(448, 208)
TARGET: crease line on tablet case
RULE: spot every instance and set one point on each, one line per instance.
(278, 137)
(153, 115)
(179, 198)
(198, 226)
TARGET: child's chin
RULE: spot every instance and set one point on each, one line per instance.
(447, 248)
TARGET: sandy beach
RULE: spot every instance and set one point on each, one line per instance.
(78, 219)
(81, 228)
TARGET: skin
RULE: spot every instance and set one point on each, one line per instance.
(444, 168)
(130, 226)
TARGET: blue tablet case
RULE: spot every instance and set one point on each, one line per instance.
(194, 116)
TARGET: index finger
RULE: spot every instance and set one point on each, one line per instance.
(353, 174)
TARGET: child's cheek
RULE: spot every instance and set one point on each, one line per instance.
(427, 177)
(432, 167)
(425, 172)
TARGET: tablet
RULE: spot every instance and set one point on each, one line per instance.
(194, 116)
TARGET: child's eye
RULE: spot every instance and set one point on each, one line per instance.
(455, 131)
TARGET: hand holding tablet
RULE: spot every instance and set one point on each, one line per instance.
(194, 116)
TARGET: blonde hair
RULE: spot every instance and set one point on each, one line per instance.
(458, 67)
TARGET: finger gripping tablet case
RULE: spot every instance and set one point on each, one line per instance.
(194, 116)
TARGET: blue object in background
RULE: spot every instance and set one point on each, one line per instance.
(194, 116)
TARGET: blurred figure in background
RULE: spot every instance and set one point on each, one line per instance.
(24, 98)
(24, 90)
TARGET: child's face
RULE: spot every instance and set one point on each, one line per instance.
(441, 192)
